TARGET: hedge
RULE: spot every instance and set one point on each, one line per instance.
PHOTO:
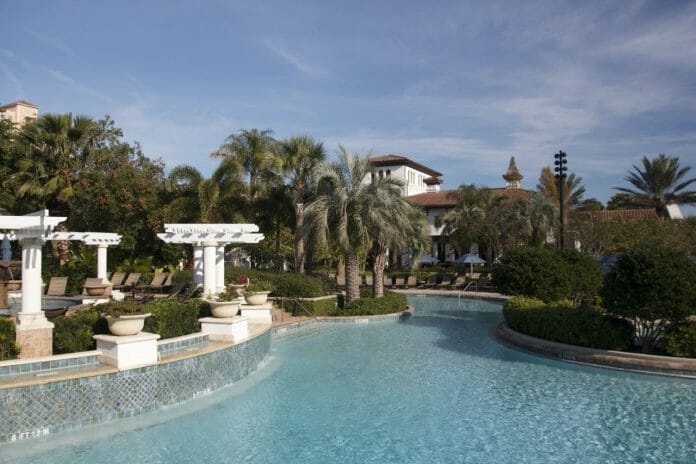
(323, 307)
(287, 284)
(8, 347)
(170, 318)
(573, 326)
(391, 302)
(680, 340)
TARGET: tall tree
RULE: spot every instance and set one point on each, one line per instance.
(661, 182)
(300, 156)
(573, 189)
(254, 151)
(340, 209)
(531, 220)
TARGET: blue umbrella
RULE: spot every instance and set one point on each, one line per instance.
(6, 249)
(470, 259)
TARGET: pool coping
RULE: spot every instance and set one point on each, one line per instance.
(608, 359)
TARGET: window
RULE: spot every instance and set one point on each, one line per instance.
(388, 172)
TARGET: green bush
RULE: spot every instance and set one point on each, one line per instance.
(8, 347)
(548, 274)
(74, 334)
(573, 326)
(284, 283)
(654, 286)
(118, 308)
(324, 307)
(172, 318)
(391, 302)
(185, 276)
(680, 340)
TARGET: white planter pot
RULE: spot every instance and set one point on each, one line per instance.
(224, 308)
(256, 298)
(14, 285)
(127, 324)
(237, 289)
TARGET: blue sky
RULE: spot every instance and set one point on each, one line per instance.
(458, 86)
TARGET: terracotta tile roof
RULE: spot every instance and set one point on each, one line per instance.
(448, 199)
(395, 160)
(617, 214)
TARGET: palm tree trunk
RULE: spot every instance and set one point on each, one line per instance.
(299, 239)
(378, 270)
(309, 256)
(278, 260)
(352, 276)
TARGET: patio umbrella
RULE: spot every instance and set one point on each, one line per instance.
(470, 259)
(6, 249)
(428, 260)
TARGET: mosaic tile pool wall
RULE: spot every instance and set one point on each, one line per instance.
(38, 410)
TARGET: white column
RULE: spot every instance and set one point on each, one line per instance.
(220, 268)
(101, 261)
(197, 264)
(31, 276)
(209, 274)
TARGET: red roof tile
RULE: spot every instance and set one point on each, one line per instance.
(448, 198)
(617, 214)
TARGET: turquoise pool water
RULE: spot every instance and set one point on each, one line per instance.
(432, 389)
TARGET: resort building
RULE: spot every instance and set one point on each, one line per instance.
(19, 112)
(422, 187)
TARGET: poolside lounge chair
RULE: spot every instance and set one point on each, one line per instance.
(399, 282)
(431, 282)
(412, 281)
(117, 278)
(130, 282)
(57, 286)
(459, 283)
(446, 282)
(156, 284)
(191, 292)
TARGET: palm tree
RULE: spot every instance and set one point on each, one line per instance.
(476, 218)
(299, 157)
(340, 209)
(661, 182)
(532, 220)
(254, 151)
(573, 189)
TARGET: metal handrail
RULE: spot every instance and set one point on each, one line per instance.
(299, 303)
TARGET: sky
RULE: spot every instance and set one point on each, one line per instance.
(458, 86)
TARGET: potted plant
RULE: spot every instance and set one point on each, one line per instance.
(225, 305)
(257, 292)
(96, 288)
(238, 286)
(124, 317)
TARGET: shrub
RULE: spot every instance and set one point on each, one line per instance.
(172, 318)
(73, 334)
(391, 302)
(324, 307)
(680, 340)
(284, 283)
(8, 347)
(119, 308)
(184, 276)
(581, 327)
(548, 274)
(654, 286)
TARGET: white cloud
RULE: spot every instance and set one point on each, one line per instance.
(64, 78)
(19, 89)
(295, 60)
(50, 41)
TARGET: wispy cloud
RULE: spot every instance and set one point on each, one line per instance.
(295, 60)
(50, 41)
(19, 89)
(64, 78)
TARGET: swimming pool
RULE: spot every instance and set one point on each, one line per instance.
(47, 303)
(432, 389)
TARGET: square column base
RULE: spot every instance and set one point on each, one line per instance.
(257, 313)
(128, 352)
(227, 329)
(34, 335)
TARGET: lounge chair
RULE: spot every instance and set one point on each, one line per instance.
(446, 282)
(431, 282)
(57, 286)
(412, 281)
(191, 292)
(399, 282)
(117, 278)
(386, 280)
(459, 284)
(157, 284)
(130, 282)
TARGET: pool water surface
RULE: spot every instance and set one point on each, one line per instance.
(432, 389)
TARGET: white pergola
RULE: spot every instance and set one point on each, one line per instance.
(209, 242)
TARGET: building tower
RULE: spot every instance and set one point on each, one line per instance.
(512, 176)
